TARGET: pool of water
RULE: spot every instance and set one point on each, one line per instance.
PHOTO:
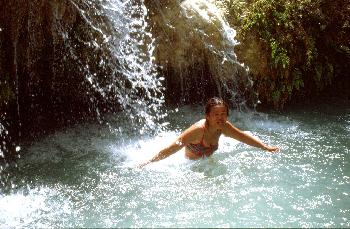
(86, 176)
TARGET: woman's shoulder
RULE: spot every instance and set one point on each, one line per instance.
(193, 133)
(197, 127)
(228, 128)
(200, 123)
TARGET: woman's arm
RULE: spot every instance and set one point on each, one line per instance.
(166, 152)
(233, 132)
(188, 136)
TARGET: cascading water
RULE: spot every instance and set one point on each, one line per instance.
(127, 49)
(207, 20)
(4, 135)
(144, 97)
(202, 44)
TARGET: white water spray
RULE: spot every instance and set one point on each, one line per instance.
(127, 46)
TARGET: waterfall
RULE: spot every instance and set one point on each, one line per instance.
(202, 44)
(218, 37)
(3, 135)
(122, 37)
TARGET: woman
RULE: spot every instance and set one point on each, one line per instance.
(202, 138)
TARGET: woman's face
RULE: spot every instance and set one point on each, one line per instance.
(217, 116)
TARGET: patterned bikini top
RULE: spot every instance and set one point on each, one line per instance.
(201, 150)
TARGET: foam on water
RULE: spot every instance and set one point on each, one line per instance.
(86, 177)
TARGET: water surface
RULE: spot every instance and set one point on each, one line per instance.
(85, 176)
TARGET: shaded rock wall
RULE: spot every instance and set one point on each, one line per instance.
(42, 84)
(195, 52)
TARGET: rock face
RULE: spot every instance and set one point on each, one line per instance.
(40, 85)
(195, 49)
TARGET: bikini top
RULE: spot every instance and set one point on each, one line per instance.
(201, 150)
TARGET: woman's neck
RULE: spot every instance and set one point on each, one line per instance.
(210, 129)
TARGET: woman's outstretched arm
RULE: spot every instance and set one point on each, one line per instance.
(233, 132)
(166, 152)
(186, 137)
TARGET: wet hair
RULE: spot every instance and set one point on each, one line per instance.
(215, 101)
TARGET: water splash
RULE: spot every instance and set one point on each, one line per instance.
(120, 34)
(81, 177)
(137, 50)
(3, 134)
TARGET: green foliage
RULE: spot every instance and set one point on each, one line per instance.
(234, 10)
(276, 96)
(302, 46)
(297, 82)
(279, 55)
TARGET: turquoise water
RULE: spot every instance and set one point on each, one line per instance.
(85, 176)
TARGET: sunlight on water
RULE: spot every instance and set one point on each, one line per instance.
(86, 177)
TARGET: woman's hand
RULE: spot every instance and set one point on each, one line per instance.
(140, 166)
(272, 149)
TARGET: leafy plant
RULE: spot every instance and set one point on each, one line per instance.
(293, 48)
